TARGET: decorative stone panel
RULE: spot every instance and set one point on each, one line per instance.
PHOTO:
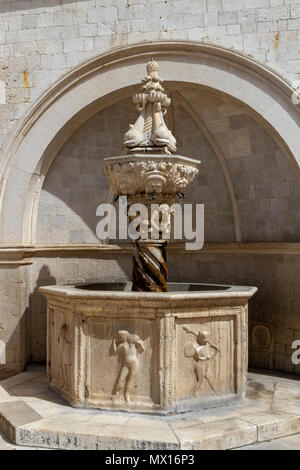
(156, 353)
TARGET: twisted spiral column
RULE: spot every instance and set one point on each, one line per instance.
(150, 271)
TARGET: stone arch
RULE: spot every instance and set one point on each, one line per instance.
(106, 79)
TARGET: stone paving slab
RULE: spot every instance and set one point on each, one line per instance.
(271, 425)
(284, 443)
(22, 378)
(14, 414)
(32, 415)
(217, 435)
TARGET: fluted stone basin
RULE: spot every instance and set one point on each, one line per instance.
(111, 348)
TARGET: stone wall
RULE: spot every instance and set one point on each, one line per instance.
(265, 183)
(15, 290)
(42, 39)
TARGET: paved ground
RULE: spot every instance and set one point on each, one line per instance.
(33, 415)
(284, 443)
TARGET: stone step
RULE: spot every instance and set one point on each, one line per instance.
(33, 415)
(283, 443)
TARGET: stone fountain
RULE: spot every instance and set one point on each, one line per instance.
(149, 173)
(148, 346)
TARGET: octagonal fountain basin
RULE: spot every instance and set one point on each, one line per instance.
(114, 349)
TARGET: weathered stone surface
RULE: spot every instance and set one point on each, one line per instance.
(61, 34)
(148, 351)
(272, 425)
(149, 174)
(285, 443)
(137, 437)
(47, 42)
(218, 428)
(14, 413)
(217, 435)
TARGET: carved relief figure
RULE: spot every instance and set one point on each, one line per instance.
(203, 351)
(127, 346)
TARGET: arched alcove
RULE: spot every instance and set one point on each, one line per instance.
(105, 80)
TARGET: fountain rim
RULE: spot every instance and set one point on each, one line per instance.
(152, 156)
(73, 291)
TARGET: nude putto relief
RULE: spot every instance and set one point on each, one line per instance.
(128, 347)
(203, 351)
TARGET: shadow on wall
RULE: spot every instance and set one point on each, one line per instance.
(76, 184)
(21, 326)
(14, 5)
(36, 324)
(14, 350)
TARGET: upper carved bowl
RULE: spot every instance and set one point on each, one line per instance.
(159, 174)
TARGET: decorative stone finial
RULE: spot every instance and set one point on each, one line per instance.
(150, 133)
(152, 66)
